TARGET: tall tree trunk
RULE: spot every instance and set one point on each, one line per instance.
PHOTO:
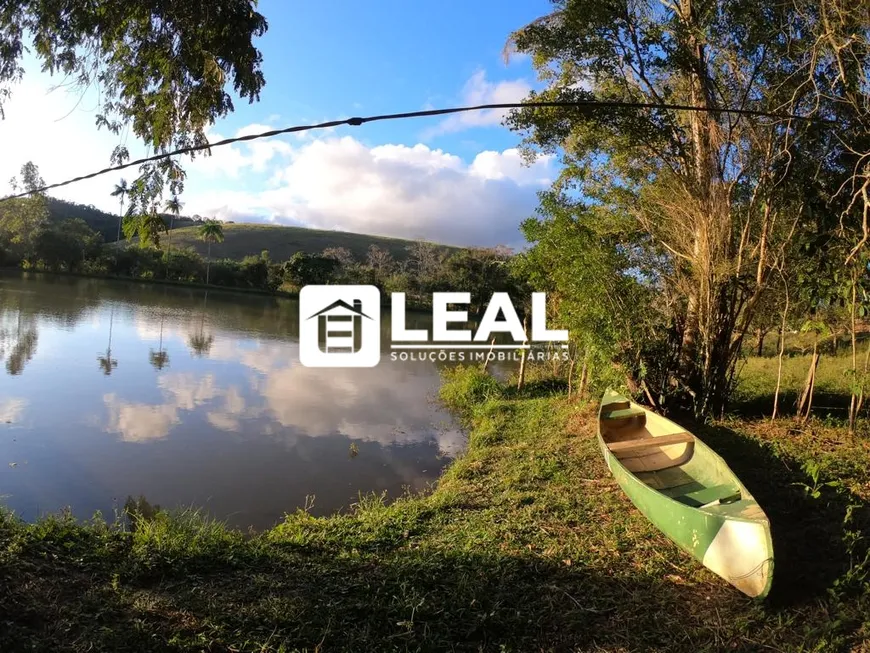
(853, 400)
(120, 220)
(779, 357)
(759, 335)
(699, 96)
(806, 401)
(208, 263)
(863, 380)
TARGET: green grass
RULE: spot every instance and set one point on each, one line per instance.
(242, 240)
(526, 544)
(756, 382)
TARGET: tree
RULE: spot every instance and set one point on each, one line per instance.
(23, 219)
(426, 260)
(381, 262)
(211, 231)
(603, 293)
(303, 269)
(121, 191)
(174, 207)
(716, 197)
(341, 254)
(163, 68)
(107, 363)
(480, 271)
(200, 343)
(147, 226)
(160, 358)
(67, 244)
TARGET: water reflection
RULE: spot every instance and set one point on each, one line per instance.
(107, 363)
(200, 342)
(18, 339)
(230, 420)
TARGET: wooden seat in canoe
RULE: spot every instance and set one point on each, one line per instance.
(622, 413)
(708, 496)
(646, 443)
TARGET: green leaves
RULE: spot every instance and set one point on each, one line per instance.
(163, 67)
(147, 226)
(212, 231)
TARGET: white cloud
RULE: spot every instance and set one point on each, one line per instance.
(393, 190)
(323, 181)
(351, 401)
(231, 160)
(11, 409)
(55, 129)
(478, 90)
(137, 422)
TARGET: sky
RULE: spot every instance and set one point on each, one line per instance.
(457, 179)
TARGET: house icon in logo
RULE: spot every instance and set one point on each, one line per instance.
(339, 327)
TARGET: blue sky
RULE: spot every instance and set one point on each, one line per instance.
(456, 180)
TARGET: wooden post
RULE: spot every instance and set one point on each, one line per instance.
(571, 370)
(489, 353)
(806, 401)
(521, 381)
(584, 372)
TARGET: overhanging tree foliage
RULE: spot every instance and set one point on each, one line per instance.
(163, 67)
(717, 195)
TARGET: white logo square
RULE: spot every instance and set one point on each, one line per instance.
(339, 326)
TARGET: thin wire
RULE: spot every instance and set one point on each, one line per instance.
(357, 121)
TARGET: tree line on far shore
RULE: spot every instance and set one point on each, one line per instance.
(28, 239)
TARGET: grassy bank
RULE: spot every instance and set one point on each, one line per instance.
(757, 381)
(526, 544)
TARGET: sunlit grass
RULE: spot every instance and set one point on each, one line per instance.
(526, 544)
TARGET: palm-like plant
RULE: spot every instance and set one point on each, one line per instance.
(211, 232)
(174, 207)
(107, 363)
(200, 343)
(121, 191)
(160, 358)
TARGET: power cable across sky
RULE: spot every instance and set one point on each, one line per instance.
(357, 121)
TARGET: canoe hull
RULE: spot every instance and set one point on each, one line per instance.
(733, 541)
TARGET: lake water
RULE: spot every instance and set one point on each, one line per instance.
(111, 390)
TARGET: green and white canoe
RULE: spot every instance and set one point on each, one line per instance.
(685, 489)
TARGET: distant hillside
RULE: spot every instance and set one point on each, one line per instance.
(241, 239)
(105, 223)
(247, 239)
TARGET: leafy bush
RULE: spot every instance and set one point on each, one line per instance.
(465, 388)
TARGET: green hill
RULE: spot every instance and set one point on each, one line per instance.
(98, 220)
(241, 239)
(247, 239)
(105, 223)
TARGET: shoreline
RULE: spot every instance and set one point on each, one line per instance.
(410, 306)
(524, 543)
